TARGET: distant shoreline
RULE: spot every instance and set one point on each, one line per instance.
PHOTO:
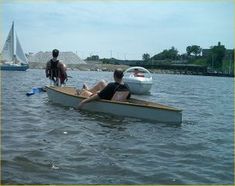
(111, 67)
(82, 67)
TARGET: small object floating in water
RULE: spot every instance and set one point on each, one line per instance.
(35, 90)
(54, 166)
(65, 132)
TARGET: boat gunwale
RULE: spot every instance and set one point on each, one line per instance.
(147, 80)
(137, 81)
(157, 106)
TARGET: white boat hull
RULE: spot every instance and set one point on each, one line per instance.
(66, 96)
(138, 85)
(14, 67)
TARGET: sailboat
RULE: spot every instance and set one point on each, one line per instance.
(13, 57)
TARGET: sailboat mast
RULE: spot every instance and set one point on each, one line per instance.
(13, 52)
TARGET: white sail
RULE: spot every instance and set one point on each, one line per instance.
(8, 49)
(20, 56)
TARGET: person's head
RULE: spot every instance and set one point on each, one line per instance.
(118, 74)
(55, 53)
(136, 70)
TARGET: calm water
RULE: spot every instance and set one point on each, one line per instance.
(44, 143)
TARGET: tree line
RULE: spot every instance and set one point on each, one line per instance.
(213, 57)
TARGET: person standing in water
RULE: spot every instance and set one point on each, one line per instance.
(56, 70)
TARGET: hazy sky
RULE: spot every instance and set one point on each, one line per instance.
(121, 29)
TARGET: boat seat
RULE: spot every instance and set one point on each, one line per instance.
(120, 96)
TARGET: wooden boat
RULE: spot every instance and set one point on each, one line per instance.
(138, 84)
(13, 60)
(135, 108)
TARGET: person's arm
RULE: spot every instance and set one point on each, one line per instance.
(87, 100)
(47, 70)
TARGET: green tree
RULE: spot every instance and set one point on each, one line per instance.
(93, 58)
(105, 61)
(146, 57)
(216, 56)
(189, 50)
(171, 54)
(194, 49)
(218, 52)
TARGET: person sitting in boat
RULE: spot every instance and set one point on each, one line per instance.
(116, 91)
(56, 70)
(87, 92)
(137, 73)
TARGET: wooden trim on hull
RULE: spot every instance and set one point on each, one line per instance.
(133, 108)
